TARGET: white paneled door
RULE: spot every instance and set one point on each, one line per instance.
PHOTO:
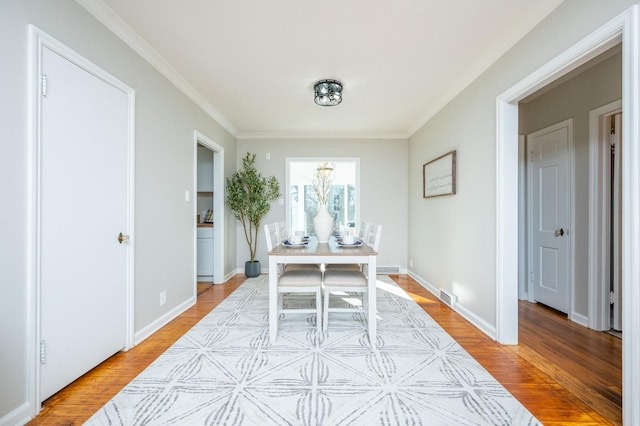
(548, 151)
(82, 209)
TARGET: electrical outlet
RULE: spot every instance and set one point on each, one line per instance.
(163, 298)
(410, 263)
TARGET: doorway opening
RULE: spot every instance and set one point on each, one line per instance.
(208, 212)
(623, 27)
(605, 244)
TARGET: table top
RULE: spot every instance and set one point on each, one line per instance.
(332, 248)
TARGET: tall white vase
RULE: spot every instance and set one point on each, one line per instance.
(323, 224)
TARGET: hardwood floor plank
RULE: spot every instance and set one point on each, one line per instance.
(564, 374)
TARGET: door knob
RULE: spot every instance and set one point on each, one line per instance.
(122, 238)
(559, 232)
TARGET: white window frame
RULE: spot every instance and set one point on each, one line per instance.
(289, 160)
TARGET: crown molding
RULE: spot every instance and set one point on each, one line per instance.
(320, 135)
(122, 30)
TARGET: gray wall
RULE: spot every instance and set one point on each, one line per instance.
(599, 85)
(165, 122)
(452, 239)
(383, 187)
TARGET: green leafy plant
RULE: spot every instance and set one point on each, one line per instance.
(248, 197)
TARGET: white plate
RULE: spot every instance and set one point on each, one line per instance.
(286, 243)
(356, 244)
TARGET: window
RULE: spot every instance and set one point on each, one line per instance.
(302, 203)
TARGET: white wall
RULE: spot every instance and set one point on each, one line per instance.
(575, 98)
(383, 187)
(452, 239)
(164, 232)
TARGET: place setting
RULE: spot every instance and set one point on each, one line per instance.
(296, 240)
(349, 240)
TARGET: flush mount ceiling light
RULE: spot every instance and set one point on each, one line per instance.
(328, 92)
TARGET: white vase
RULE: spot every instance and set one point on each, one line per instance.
(323, 224)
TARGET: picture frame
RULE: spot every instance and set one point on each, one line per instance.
(439, 176)
(208, 218)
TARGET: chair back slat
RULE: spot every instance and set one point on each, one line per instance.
(271, 235)
(281, 230)
(365, 227)
(375, 232)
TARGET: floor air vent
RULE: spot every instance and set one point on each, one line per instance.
(448, 298)
(388, 270)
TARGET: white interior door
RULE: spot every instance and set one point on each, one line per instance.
(82, 207)
(549, 197)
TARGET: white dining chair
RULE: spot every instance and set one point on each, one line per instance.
(299, 281)
(272, 235)
(363, 235)
(282, 234)
(281, 227)
(347, 282)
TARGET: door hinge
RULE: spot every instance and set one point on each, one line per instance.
(532, 277)
(43, 352)
(43, 85)
(612, 298)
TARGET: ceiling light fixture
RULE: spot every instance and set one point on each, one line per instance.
(328, 92)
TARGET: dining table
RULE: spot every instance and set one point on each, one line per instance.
(331, 252)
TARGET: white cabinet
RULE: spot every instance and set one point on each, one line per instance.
(205, 254)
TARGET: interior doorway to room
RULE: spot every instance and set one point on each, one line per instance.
(615, 223)
(205, 218)
(567, 211)
(605, 283)
(208, 212)
(591, 271)
(622, 27)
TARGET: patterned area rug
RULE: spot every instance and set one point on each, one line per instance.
(224, 371)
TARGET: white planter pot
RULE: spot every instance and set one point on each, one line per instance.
(323, 224)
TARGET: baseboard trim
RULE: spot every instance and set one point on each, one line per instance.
(156, 325)
(229, 276)
(20, 416)
(470, 316)
(580, 319)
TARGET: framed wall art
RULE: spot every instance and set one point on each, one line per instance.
(439, 176)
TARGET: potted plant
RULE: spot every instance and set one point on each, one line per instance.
(248, 198)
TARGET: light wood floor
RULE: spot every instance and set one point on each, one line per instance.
(564, 374)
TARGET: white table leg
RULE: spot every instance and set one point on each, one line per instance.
(273, 299)
(371, 294)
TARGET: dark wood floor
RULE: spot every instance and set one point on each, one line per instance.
(564, 374)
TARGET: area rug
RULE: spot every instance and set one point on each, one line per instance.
(224, 371)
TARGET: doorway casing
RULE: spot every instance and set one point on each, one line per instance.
(624, 28)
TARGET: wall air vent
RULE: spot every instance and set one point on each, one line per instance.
(447, 298)
(388, 270)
